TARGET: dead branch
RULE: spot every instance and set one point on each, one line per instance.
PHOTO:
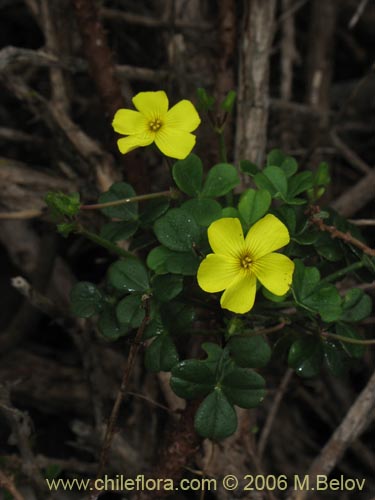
(355, 198)
(336, 233)
(21, 426)
(354, 423)
(273, 411)
(7, 483)
(349, 154)
(253, 98)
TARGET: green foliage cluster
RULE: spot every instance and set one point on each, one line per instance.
(315, 323)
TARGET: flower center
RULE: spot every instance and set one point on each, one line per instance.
(246, 261)
(155, 124)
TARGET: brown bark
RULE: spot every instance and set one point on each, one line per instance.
(253, 94)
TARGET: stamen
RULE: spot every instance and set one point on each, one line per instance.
(155, 124)
(246, 261)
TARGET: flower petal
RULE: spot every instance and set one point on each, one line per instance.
(226, 237)
(152, 104)
(183, 116)
(240, 295)
(275, 272)
(127, 144)
(216, 272)
(174, 143)
(129, 122)
(266, 235)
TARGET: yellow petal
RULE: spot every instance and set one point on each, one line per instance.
(129, 122)
(275, 272)
(183, 116)
(226, 237)
(174, 143)
(152, 105)
(127, 144)
(240, 295)
(217, 272)
(266, 236)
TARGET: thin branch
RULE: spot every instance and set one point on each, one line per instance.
(349, 154)
(335, 233)
(124, 387)
(354, 423)
(7, 483)
(358, 13)
(273, 411)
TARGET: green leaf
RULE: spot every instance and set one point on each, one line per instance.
(130, 311)
(253, 205)
(335, 358)
(108, 325)
(66, 228)
(161, 355)
(177, 316)
(119, 191)
(249, 352)
(154, 328)
(230, 212)
(205, 101)
(216, 418)
(203, 210)
(306, 356)
(305, 280)
(117, 231)
(356, 306)
(166, 287)
(157, 259)
(188, 175)
(229, 100)
(322, 177)
(247, 167)
(310, 294)
(128, 275)
(86, 299)
(289, 166)
(185, 263)
(244, 388)
(327, 301)
(177, 230)
(353, 350)
(274, 180)
(162, 261)
(221, 179)
(153, 210)
(299, 183)
(192, 379)
(275, 157)
(62, 204)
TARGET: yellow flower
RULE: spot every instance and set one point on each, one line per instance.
(170, 130)
(237, 262)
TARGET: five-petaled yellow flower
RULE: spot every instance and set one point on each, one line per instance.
(152, 122)
(237, 262)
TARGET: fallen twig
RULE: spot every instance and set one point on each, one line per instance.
(350, 428)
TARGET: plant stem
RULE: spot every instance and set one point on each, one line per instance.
(104, 243)
(128, 369)
(222, 146)
(343, 272)
(171, 193)
(348, 339)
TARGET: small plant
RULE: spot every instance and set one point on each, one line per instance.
(270, 249)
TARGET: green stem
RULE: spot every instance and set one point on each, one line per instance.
(104, 243)
(171, 193)
(348, 339)
(342, 272)
(222, 146)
